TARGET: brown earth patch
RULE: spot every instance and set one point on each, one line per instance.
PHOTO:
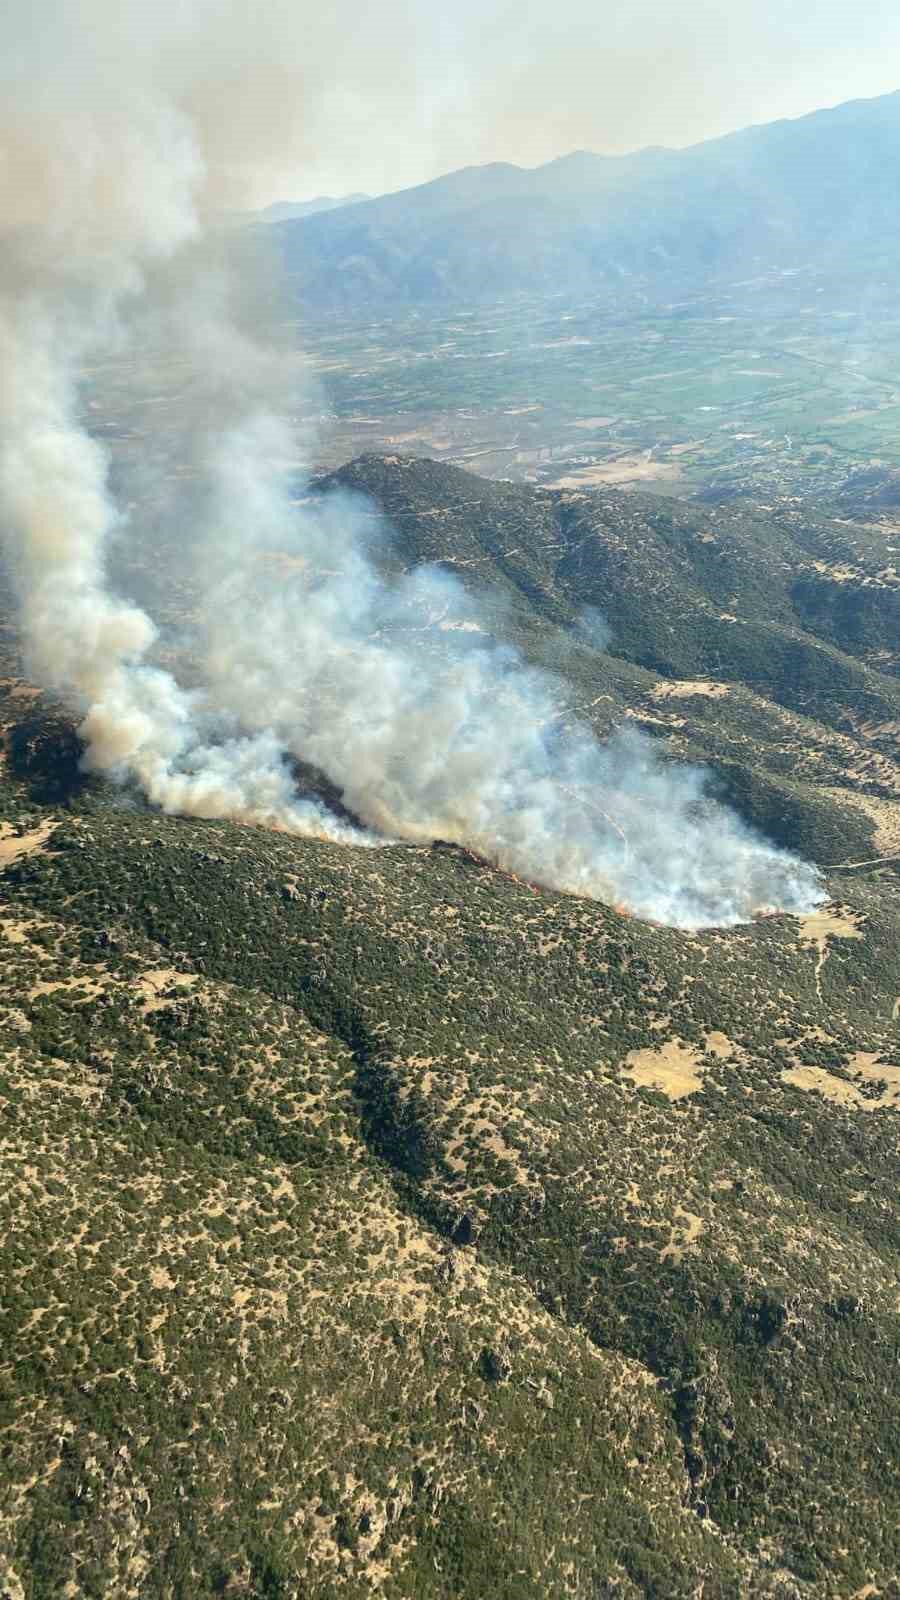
(14, 845)
(151, 985)
(862, 1064)
(687, 687)
(673, 1069)
(628, 469)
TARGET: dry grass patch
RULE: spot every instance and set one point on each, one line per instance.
(820, 927)
(674, 1069)
(686, 688)
(627, 469)
(15, 845)
(830, 922)
(884, 813)
(686, 1230)
(152, 986)
(864, 1065)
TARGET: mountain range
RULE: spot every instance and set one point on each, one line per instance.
(288, 210)
(817, 193)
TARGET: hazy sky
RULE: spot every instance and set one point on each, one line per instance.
(298, 97)
(417, 89)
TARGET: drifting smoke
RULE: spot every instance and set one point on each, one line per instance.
(427, 727)
(593, 629)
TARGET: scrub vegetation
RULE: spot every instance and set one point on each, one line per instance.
(371, 1221)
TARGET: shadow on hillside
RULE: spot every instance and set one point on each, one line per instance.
(44, 753)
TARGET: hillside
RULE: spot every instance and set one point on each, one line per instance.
(373, 1222)
(815, 193)
(759, 640)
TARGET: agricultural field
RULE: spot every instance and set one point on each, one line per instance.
(774, 386)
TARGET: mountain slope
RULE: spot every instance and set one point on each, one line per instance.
(372, 1222)
(370, 1215)
(815, 192)
(762, 644)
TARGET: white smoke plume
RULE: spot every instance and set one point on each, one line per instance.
(593, 629)
(300, 648)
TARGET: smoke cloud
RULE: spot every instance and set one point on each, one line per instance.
(593, 629)
(298, 647)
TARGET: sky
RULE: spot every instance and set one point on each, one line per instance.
(303, 97)
(411, 92)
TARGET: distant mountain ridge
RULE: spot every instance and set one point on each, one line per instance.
(287, 210)
(816, 191)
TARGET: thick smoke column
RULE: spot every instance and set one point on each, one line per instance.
(431, 733)
(100, 186)
(428, 731)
